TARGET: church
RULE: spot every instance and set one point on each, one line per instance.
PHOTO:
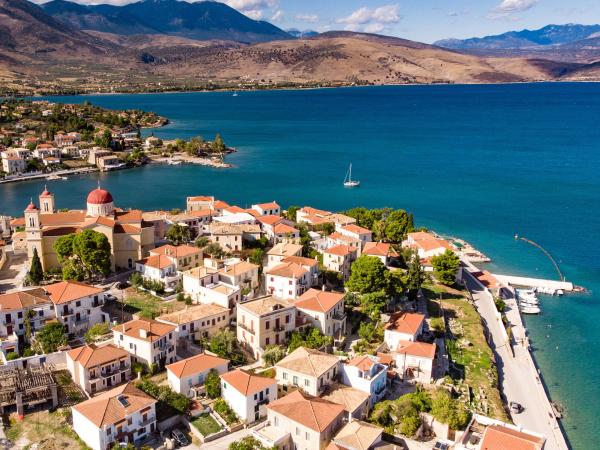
(130, 237)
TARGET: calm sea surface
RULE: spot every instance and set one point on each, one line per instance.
(480, 162)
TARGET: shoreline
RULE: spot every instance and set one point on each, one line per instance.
(300, 88)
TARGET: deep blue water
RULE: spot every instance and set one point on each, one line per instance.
(481, 162)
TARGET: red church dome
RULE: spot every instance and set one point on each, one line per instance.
(31, 207)
(46, 193)
(99, 197)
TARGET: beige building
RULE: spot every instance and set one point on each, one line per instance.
(303, 421)
(130, 237)
(96, 368)
(242, 274)
(264, 321)
(281, 251)
(197, 322)
(355, 402)
(310, 370)
(358, 435)
(184, 257)
(340, 259)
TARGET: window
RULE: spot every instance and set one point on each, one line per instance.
(306, 382)
(267, 391)
(20, 315)
(287, 319)
(307, 436)
(285, 376)
(78, 303)
(297, 431)
(267, 341)
(295, 380)
(267, 324)
(290, 282)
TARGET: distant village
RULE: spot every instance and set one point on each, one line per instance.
(243, 328)
(40, 139)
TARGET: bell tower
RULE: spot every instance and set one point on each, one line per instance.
(33, 230)
(47, 205)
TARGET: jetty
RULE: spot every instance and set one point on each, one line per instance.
(541, 284)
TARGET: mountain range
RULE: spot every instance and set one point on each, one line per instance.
(62, 46)
(203, 20)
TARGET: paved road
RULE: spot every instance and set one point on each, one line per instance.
(13, 272)
(518, 377)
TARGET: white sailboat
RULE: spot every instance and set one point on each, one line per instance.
(348, 181)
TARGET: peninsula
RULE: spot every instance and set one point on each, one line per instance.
(40, 139)
(233, 325)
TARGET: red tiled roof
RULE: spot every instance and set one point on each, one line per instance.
(311, 412)
(246, 383)
(420, 349)
(67, 291)
(196, 364)
(317, 300)
(405, 322)
(498, 437)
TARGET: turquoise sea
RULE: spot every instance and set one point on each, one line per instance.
(480, 162)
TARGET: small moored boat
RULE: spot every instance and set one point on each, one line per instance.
(348, 181)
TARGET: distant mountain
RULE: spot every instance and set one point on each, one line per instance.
(301, 34)
(550, 35)
(204, 20)
(26, 31)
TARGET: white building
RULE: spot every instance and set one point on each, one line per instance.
(77, 306)
(353, 231)
(247, 394)
(381, 250)
(288, 280)
(281, 251)
(267, 209)
(367, 374)
(403, 326)
(197, 322)
(159, 268)
(147, 341)
(187, 375)
(124, 414)
(414, 360)
(426, 244)
(324, 310)
(340, 258)
(13, 165)
(96, 368)
(310, 370)
(242, 275)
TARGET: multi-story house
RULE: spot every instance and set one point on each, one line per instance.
(312, 216)
(229, 237)
(361, 234)
(340, 258)
(184, 257)
(357, 433)
(200, 202)
(164, 263)
(124, 414)
(367, 374)
(281, 251)
(13, 165)
(267, 209)
(310, 370)
(147, 341)
(382, 250)
(188, 375)
(20, 311)
(301, 422)
(197, 322)
(288, 280)
(426, 244)
(356, 402)
(241, 274)
(403, 326)
(324, 310)
(414, 360)
(77, 306)
(248, 394)
(264, 321)
(98, 367)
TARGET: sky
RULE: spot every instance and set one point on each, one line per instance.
(420, 20)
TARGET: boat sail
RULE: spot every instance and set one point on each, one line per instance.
(348, 181)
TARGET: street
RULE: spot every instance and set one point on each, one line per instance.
(517, 375)
(13, 272)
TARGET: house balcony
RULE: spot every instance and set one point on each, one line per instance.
(148, 421)
(247, 328)
(279, 329)
(339, 317)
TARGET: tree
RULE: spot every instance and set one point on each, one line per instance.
(449, 410)
(257, 256)
(95, 331)
(372, 303)
(368, 275)
(213, 249)
(247, 443)
(311, 338)
(178, 234)
(218, 146)
(366, 331)
(213, 384)
(36, 274)
(12, 355)
(105, 139)
(290, 214)
(445, 267)
(202, 241)
(51, 337)
(273, 354)
(224, 344)
(88, 251)
(416, 275)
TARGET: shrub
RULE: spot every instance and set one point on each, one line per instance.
(222, 408)
(12, 355)
(165, 394)
(213, 384)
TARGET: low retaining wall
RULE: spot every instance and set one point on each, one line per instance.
(58, 359)
(164, 425)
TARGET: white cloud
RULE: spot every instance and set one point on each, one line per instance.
(254, 9)
(372, 20)
(513, 6)
(278, 16)
(310, 18)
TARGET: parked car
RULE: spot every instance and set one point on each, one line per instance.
(180, 438)
(441, 446)
(515, 407)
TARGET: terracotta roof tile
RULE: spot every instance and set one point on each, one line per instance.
(308, 362)
(196, 364)
(23, 299)
(379, 249)
(498, 437)
(287, 270)
(91, 355)
(193, 313)
(405, 322)
(246, 383)
(358, 435)
(155, 330)
(340, 250)
(176, 250)
(312, 412)
(67, 291)
(317, 300)
(419, 349)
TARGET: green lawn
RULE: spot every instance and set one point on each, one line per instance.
(148, 306)
(206, 424)
(469, 350)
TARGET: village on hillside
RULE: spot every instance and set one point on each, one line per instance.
(222, 327)
(40, 139)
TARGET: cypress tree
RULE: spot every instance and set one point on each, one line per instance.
(36, 274)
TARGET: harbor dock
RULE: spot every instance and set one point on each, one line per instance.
(544, 285)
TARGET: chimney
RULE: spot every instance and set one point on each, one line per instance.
(143, 333)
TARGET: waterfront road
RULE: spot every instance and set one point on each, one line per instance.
(518, 376)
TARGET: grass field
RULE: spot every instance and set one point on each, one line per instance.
(472, 358)
(206, 425)
(148, 306)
